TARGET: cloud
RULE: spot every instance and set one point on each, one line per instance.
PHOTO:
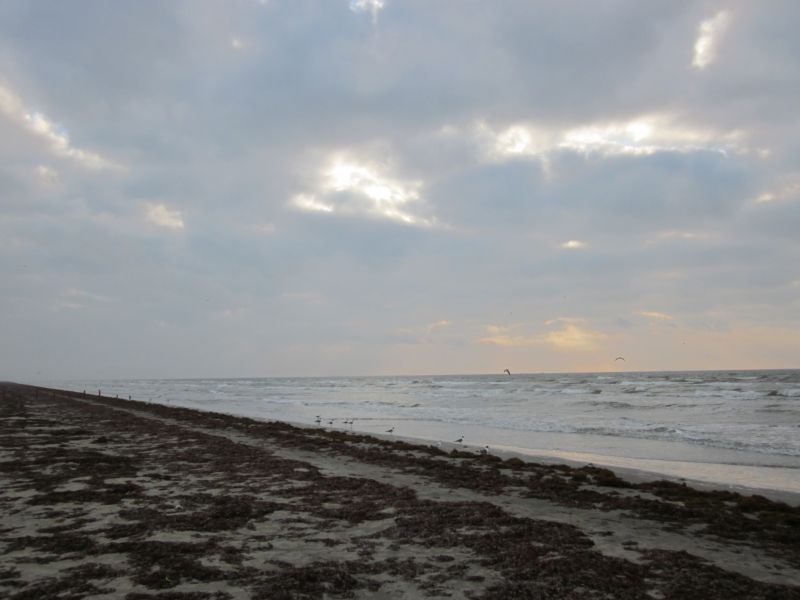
(787, 189)
(57, 137)
(161, 215)
(350, 186)
(371, 6)
(651, 314)
(309, 203)
(573, 337)
(430, 173)
(709, 35)
(47, 175)
(643, 135)
(497, 338)
(78, 299)
(232, 313)
(570, 336)
(573, 245)
(423, 334)
(430, 327)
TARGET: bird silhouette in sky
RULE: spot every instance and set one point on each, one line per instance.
(622, 358)
(507, 371)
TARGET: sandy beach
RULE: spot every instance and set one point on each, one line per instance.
(110, 498)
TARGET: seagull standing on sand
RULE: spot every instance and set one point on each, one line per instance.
(390, 430)
(459, 440)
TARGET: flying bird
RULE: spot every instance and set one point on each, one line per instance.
(507, 371)
(619, 358)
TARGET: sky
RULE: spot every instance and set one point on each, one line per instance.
(202, 188)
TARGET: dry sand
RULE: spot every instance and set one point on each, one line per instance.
(105, 498)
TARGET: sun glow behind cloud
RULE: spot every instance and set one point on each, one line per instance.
(356, 187)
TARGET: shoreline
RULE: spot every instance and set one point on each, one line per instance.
(631, 470)
(133, 498)
(624, 468)
(708, 476)
(707, 467)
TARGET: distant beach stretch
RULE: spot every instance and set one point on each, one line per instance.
(723, 428)
(104, 497)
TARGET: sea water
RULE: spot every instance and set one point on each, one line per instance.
(728, 427)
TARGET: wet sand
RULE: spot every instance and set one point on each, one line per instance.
(108, 498)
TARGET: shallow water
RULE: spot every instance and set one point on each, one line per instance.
(728, 426)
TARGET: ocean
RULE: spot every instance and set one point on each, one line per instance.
(732, 428)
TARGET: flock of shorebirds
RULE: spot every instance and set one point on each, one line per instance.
(330, 422)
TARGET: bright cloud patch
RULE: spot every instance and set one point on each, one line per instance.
(787, 189)
(708, 38)
(573, 245)
(571, 335)
(309, 203)
(56, 137)
(371, 6)
(651, 314)
(437, 325)
(350, 186)
(643, 135)
(160, 215)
